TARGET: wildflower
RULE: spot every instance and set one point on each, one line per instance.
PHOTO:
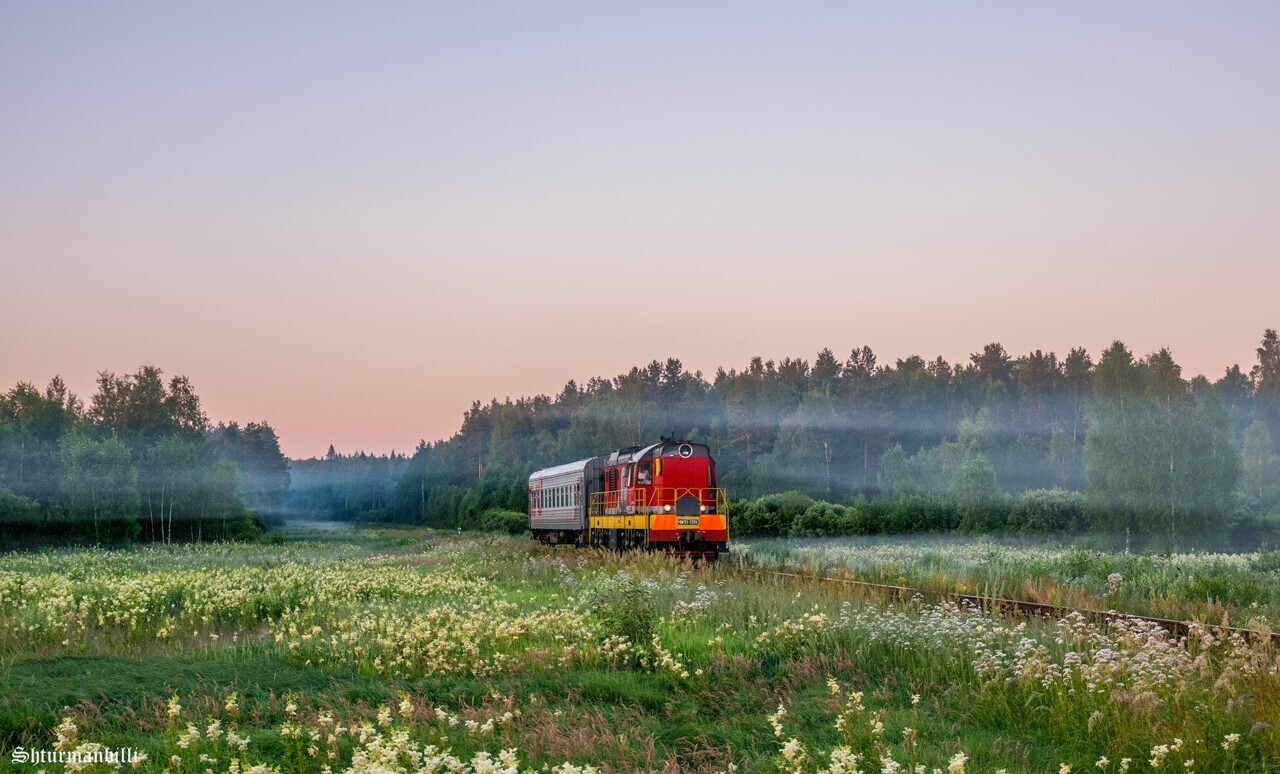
(1229, 741)
(174, 707)
(1158, 754)
(66, 735)
(915, 700)
(1102, 762)
(791, 749)
(776, 720)
(291, 709)
(232, 706)
(956, 766)
(1064, 768)
(406, 706)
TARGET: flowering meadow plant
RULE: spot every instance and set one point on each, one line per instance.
(407, 652)
(1179, 586)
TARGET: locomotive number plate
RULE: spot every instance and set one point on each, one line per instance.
(687, 522)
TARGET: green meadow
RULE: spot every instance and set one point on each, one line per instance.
(407, 651)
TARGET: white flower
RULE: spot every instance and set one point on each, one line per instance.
(791, 749)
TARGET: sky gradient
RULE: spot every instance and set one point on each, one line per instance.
(351, 220)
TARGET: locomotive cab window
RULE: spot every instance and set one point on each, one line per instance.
(644, 474)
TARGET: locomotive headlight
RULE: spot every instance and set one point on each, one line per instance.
(706, 509)
(667, 508)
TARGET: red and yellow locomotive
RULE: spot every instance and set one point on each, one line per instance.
(661, 497)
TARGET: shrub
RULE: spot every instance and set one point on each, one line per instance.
(769, 515)
(820, 520)
(1048, 510)
(504, 521)
(748, 517)
(916, 512)
(16, 509)
(247, 528)
(1266, 561)
(625, 609)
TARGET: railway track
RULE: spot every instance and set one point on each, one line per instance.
(1007, 607)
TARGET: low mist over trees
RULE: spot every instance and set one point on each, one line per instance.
(1121, 443)
(345, 487)
(140, 462)
(1035, 441)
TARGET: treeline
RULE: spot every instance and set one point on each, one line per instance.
(1128, 442)
(1038, 511)
(141, 461)
(345, 487)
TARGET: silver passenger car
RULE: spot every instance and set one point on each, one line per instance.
(558, 497)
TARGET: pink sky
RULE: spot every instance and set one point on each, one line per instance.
(351, 225)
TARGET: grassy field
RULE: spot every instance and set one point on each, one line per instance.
(1203, 586)
(417, 651)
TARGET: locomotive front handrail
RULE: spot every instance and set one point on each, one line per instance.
(653, 500)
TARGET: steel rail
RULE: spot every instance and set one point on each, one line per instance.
(1013, 607)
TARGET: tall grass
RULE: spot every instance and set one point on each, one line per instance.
(417, 640)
